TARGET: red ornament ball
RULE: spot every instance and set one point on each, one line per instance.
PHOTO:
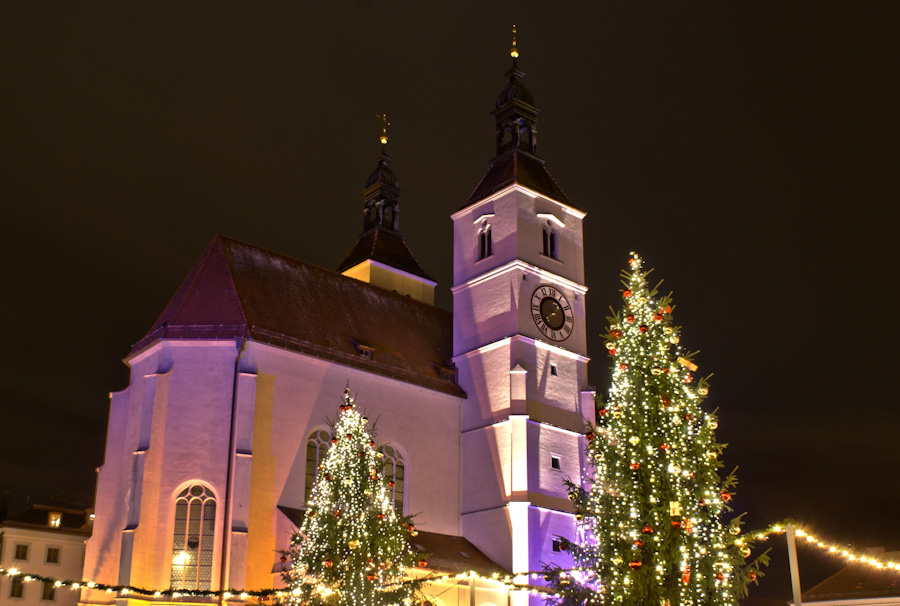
(726, 496)
(634, 564)
(615, 333)
(423, 563)
(676, 523)
(637, 543)
(602, 412)
(647, 529)
(589, 436)
(283, 559)
(634, 465)
(629, 318)
(613, 351)
(658, 318)
(626, 293)
(664, 446)
(380, 516)
(623, 366)
(391, 483)
(327, 563)
(643, 328)
(370, 577)
(334, 440)
(349, 436)
(372, 443)
(337, 513)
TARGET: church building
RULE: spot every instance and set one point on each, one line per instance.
(214, 445)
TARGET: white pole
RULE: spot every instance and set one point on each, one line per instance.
(792, 557)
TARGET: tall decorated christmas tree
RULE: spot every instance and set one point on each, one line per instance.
(352, 548)
(652, 514)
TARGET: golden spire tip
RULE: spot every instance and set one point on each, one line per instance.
(514, 51)
(384, 124)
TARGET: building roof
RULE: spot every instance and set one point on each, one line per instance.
(37, 517)
(237, 290)
(445, 553)
(858, 581)
(383, 246)
(521, 168)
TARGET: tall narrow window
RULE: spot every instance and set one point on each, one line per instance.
(485, 245)
(394, 472)
(316, 449)
(17, 588)
(192, 549)
(550, 241)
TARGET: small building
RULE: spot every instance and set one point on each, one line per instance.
(42, 541)
(859, 585)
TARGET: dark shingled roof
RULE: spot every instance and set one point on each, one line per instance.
(36, 517)
(856, 582)
(385, 247)
(445, 553)
(521, 168)
(240, 290)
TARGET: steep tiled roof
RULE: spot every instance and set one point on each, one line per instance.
(385, 247)
(856, 582)
(240, 290)
(521, 168)
(36, 517)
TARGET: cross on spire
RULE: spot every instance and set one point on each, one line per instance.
(384, 124)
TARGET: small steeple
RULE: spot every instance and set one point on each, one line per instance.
(380, 256)
(515, 112)
(381, 195)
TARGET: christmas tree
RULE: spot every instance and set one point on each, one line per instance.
(352, 548)
(652, 517)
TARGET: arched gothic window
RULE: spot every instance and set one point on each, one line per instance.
(192, 548)
(316, 449)
(485, 245)
(550, 241)
(395, 471)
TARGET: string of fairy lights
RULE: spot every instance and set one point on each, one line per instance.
(511, 581)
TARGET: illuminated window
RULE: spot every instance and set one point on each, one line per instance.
(192, 548)
(17, 588)
(21, 552)
(316, 449)
(394, 472)
(54, 519)
(49, 591)
(485, 244)
(53, 555)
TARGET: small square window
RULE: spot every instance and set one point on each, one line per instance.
(49, 592)
(554, 370)
(557, 545)
(53, 555)
(17, 588)
(21, 552)
(54, 519)
(554, 462)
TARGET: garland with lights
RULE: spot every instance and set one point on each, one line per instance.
(850, 556)
(652, 516)
(352, 548)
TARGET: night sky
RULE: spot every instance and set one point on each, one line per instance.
(748, 151)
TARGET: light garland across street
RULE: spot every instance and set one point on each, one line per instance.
(510, 581)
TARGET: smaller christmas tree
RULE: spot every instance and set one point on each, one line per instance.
(352, 548)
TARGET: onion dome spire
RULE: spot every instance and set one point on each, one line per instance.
(515, 112)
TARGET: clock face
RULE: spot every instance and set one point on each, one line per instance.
(552, 313)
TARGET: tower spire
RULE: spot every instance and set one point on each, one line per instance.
(384, 125)
(514, 51)
(515, 112)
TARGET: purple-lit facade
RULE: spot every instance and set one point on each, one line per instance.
(208, 454)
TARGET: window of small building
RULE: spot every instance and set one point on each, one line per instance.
(555, 462)
(53, 555)
(54, 519)
(17, 588)
(49, 591)
(21, 552)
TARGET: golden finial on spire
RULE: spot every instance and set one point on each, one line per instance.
(514, 51)
(384, 125)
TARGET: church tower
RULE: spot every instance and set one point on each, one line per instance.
(380, 256)
(520, 346)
